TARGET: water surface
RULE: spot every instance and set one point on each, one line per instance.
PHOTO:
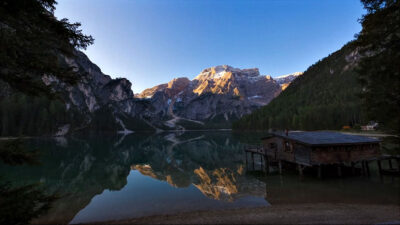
(106, 178)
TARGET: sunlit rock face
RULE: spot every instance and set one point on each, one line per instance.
(285, 80)
(217, 95)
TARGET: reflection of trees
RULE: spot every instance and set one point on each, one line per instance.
(13, 152)
(79, 169)
(21, 204)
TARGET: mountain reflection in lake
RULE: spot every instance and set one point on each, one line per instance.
(111, 178)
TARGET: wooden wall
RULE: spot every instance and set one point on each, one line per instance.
(343, 154)
(278, 148)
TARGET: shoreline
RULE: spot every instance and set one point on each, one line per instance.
(318, 213)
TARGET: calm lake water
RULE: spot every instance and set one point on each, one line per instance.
(120, 177)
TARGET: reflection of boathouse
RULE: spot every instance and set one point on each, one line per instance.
(318, 148)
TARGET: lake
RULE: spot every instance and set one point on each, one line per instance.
(106, 177)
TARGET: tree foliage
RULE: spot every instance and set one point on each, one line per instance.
(379, 68)
(324, 97)
(27, 115)
(32, 42)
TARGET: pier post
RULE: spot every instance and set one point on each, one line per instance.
(266, 164)
(352, 169)
(379, 167)
(363, 168)
(246, 160)
(262, 163)
(367, 167)
(319, 171)
(252, 158)
(339, 170)
(398, 165)
(390, 164)
(300, 169)
(280, 166)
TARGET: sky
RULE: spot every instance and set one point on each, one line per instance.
(151, 42)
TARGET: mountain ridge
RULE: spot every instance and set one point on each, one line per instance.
(97, 102)
(219, 95)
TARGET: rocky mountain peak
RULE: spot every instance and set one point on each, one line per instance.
(178, 83)
(222, 71)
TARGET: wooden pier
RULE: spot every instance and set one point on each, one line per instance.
(320, 150)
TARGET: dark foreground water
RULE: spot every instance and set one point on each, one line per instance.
(120, 177)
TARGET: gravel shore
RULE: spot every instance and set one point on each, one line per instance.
(321, 213)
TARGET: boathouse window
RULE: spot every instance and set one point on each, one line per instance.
(272, 145)
(287, 146)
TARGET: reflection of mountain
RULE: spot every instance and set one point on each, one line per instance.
(219, 184)
(81, 169)
(213, 165)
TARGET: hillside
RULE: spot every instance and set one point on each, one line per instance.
(324, 97)
(95, 102)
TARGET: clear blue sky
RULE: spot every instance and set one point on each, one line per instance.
(150, 42)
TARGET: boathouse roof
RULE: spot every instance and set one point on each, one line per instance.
(318, 138)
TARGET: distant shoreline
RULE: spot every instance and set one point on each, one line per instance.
(370, 134)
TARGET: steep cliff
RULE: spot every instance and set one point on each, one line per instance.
(95, 102)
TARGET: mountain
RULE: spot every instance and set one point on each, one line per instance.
(213, 99)
(324, 97)
(285, 80)
(96, 102)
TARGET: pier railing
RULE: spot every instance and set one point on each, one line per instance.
(255, 149)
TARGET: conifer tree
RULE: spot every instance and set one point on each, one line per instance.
(379, 71)
(32, 41)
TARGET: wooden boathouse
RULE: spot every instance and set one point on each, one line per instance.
(317, 149)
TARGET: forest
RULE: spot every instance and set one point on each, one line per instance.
(324, 97)
(355, 85)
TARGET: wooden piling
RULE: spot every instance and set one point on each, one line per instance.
(266, 164)
(353, 172)
(379, 166)
(246, 161)
(280, 166)
(319, 171)
(367, 168)
(262, 163)
(390, 164)
(300, 169)
(252, 158)
(339, 170)
(363, 168)
(398, 165)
